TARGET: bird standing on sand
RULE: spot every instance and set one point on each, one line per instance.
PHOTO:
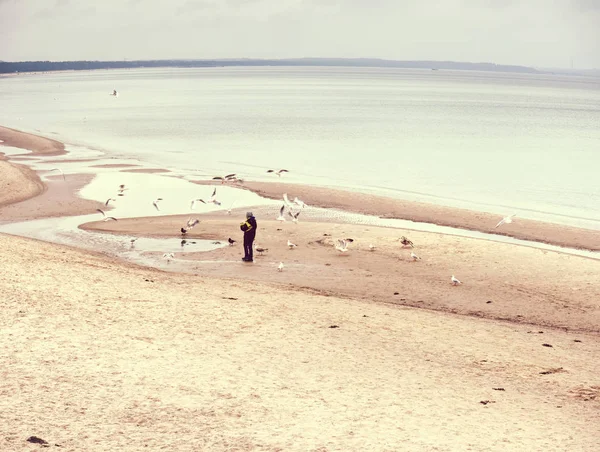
(414, 257)
(455, 282)
(371, 247)
(231, 241)
(291, 245)
(260, 250)
(278, 172)
(280, 267)
(506, 220)
(281, 211)
(405, 242)
(155, 203)
(132, 242)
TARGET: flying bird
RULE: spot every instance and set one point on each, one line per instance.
(191, 223)
(193, 203)
(231, 207)
(405, 242)
(280, 267)
(121, 190)
(168, 257)
(227, 178)
(294, 216)
(110, 218)
(291, 245)
(506, 220)
(114, 93)
(455, 282)
(155, 203)
(281, 211)
(300, 203)
(59, 170)
(342, 245)
(278, 172)
(286, 200)
(101, 211)
(212, 199)
(109, 200)
(414, 257)
(231, 241)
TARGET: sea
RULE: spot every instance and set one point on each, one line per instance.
(497, 142)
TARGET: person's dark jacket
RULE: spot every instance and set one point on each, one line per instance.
(249, 227)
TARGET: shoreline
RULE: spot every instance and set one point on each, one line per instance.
(392, 208)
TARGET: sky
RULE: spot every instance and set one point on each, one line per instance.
(538, 33)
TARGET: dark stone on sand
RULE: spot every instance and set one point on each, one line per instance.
(489, 301)
(396, 293)
(36, 440)
(498, 389)
(547, 345)
(334, 326)
(576, 340)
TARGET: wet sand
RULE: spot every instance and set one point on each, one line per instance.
(101, 354)
(35, 144)
(383, 207)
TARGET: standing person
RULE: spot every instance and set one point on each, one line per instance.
(249, 227)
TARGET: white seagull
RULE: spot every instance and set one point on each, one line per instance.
(109, 200)
(280, 267)
(371, 247)
(155, 203)
(286, 200)
(231, 207)
(212, 199)
(342, 245)
(114, 93)
(455, 282)
(294, 216)
(300, 203)
(278, 172)
(227, 178)
(168, 257)
(291, 245)
(281, 211)
(101, 211)
(414, 257)
(110, 218)
(59, 170)
(193, 203)
(506, 220)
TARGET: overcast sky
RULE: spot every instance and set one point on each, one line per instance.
(540, 33)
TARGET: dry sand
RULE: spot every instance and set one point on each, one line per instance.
(384, 207)
(115, 357)
(103, 355)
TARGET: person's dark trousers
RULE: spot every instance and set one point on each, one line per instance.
(248, 240)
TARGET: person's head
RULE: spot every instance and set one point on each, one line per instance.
(249, 215)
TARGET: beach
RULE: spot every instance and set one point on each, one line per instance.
(367, 350)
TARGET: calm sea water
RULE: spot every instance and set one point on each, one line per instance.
(506, 143)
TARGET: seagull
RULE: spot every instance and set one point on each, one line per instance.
(101, 211)
(213, 199)
(414, 257)
(183, 230)
(260, 250)
(291, 245)
(231, 241)
(506, 220)
(59, 170)
(168, 257)
(371, 247)
(132, 241)
(300, 203)
(114, 93)
(280, 267)
(455, 282)
(191, 223)
(286, 200)
(342, 245)
(294, 216)
(193, 203)
(110, 218)
(121, 190)
(281, 217)
(278, 172)
(406, 242)
(109, 200)
(155, 203)
(227, 178)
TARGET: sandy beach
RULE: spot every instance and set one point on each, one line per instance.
(364, 351)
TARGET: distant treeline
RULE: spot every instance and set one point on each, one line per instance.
(43, 66)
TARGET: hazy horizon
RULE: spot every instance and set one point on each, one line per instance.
(538, 34)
